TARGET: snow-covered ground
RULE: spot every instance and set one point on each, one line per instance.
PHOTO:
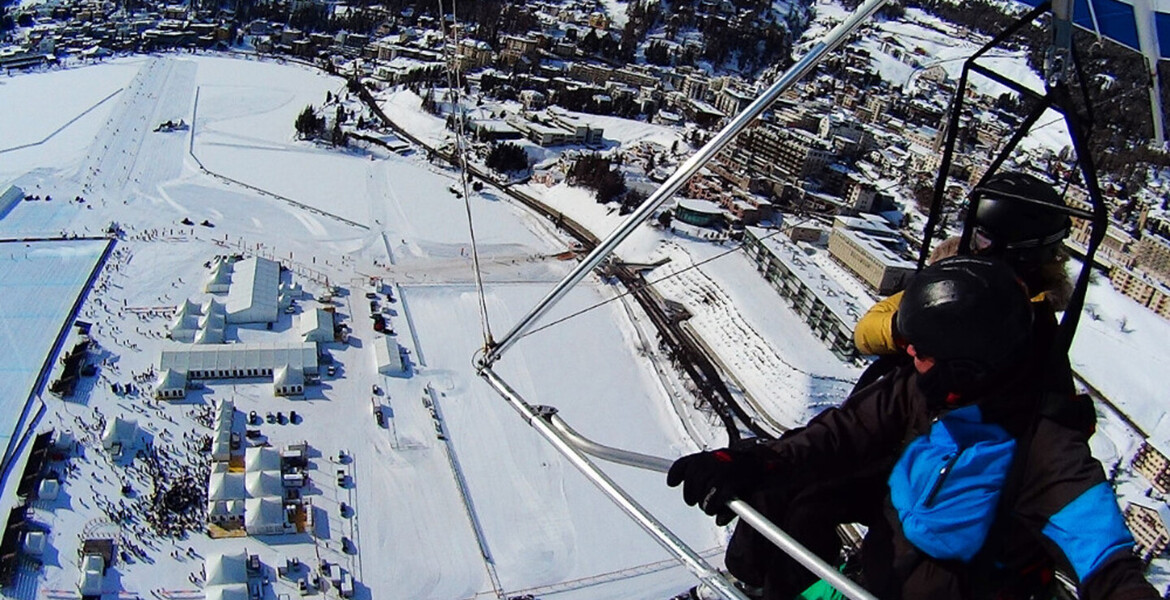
(491, 509)
(341, 217)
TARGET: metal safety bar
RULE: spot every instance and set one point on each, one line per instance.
(815, 55)
(575, 447)
(751, 516)
(689, 558)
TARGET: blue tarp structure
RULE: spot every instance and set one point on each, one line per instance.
(1140, 25)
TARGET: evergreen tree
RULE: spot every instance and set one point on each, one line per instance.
(308, 124)
(507, 157)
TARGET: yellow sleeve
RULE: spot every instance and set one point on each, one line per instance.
(874, 333)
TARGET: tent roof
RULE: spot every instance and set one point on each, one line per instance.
(286, 375)
(226, 486)
(120, 430)
(186, 309)
(238, 591)
(211, 306)
(209, 335)
(183, 323)
(254, 288)
(226, 569)
(170, 379)
(263, 511)
(261, 484)
(260, 458)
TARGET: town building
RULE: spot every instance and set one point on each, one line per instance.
(1147, 520)
(1151, 462)
(830, 311)
(1145, 289)
(1153, 256)
(552, 128)
(871, 248)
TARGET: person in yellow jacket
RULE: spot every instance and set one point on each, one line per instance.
(1025, 234)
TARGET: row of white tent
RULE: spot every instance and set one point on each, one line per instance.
(254, 498)
(199, 323)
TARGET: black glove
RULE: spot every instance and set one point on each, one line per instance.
(712, 479)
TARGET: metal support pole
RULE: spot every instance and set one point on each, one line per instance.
(690, 559)
(806, 63)
(574, 446)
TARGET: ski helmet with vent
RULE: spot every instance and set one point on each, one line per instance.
(970, 314)
(1013, 221)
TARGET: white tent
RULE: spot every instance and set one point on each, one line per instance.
(212, 321)
(261, 484)
(290, 292)
(120, 432)
(219, 280)
(253, 294)
(226, 569)
(182, 328)
(187, 309)
(221, 451)
(211, 306)
(236, 591)
(170, 384)
(219, 467)
(316, 325)
(208, 335)
(226, 486)
(265, 516)
(225, 412)
(92, 573)
(220, 511)
(261, 459)
(288, 381)
(387, 355)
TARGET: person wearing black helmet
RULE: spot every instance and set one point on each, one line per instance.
(964, 490)
(1013, 223)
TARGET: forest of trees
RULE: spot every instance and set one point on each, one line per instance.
(507, 157)
(598, 174)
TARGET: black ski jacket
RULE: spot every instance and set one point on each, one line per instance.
(1061, 507)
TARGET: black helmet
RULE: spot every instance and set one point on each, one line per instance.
(970, 314)
(1015, 229)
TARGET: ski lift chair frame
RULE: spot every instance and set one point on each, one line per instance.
(577, 449)
(1060, 61)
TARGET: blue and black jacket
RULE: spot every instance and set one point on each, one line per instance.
(1059, 509)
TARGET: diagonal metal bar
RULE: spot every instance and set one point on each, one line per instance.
(689, 558)
(750, 515)
(831, 41)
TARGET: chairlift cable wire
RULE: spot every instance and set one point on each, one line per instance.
(455, 87)
(693, 266)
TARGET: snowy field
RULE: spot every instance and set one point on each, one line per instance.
(455, 497)
(40, 282)
(250, 187)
